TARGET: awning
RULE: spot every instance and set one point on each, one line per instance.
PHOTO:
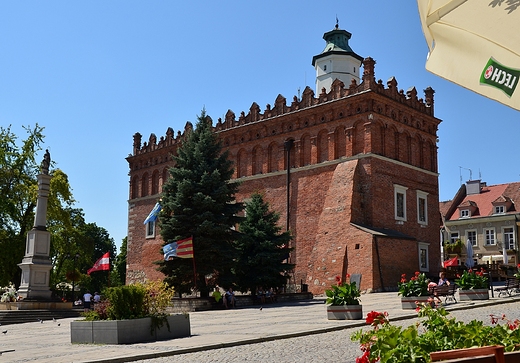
(493, 258)
(475, 44)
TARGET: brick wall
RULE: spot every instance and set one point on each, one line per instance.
(347, 150)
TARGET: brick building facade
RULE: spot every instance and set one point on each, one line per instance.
(352, 171)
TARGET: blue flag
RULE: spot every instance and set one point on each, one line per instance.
(170, 250)
(153, 214)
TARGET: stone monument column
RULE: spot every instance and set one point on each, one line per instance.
(36, 264)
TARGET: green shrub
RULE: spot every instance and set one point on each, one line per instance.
(133, 302)
(126, 302)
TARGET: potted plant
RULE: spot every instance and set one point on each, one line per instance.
(413, 290)
(454, 247)
(8, 296)
(473, 285)
(343, 300)
(131, 314)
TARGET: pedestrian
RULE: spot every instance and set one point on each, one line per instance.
(87, 298)
(97, 297)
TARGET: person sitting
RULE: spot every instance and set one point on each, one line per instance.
(229, 298)
(442, 279)
(270, 295)
(260, 295)
(78, 302)
(217, 295)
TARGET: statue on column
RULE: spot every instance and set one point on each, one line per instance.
(46, 162)
(36, 265)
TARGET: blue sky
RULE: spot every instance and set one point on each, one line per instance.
(94, 73)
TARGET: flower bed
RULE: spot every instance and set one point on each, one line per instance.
(416, 286)
(472, 280)
(131, 314)
(129, 331)
(387, 343)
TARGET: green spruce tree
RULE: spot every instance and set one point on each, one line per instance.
(198, 201)
(262, 248)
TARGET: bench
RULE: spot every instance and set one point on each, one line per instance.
(446, 291)
(511, 285)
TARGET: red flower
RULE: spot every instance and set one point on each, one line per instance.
(348, 276)
(494, 319)
(375, 318)
(417, 273)
(403, 280)
(338, 279)
(404, 275)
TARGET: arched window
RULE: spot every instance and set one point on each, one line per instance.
(134, 187)
(155, 182)
(144, 185)
(272, 158)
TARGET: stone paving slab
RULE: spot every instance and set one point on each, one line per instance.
(50, 341)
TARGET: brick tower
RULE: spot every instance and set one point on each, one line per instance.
(352, 171)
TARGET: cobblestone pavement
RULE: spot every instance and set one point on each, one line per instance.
(281, 332)
(332, 346)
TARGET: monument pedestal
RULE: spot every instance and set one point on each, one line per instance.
(36, 267)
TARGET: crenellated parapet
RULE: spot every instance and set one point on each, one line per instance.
(308, 100)
(164, 141)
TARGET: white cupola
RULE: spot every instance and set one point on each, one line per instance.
(337, 60)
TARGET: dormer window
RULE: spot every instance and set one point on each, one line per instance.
(499, 209)
(464, 213)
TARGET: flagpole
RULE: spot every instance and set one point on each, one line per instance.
(194, 269)
(109, 267)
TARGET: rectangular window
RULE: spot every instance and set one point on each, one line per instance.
(423, 257)
(471, 236)
(454, 236)
(150, 229)
(400, 202)
(464, 213)
(422, 207)
(489, 234)
(499, 209)
(509, 238)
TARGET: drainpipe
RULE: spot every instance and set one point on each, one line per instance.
(288, 145)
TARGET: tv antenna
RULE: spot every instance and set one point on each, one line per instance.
(460, 173)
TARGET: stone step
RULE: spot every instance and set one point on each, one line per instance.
(29, 316)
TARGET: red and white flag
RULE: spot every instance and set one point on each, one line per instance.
(103, 264)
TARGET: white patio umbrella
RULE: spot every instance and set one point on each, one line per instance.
(505, 260)
(469, 255)
(475, 44)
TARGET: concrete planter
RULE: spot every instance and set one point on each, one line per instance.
(409, 302)
(476, 294)
(345, 312)
(129, 331)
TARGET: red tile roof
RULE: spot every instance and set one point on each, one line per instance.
(488, 195)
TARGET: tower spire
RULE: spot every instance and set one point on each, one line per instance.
(336, 61)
